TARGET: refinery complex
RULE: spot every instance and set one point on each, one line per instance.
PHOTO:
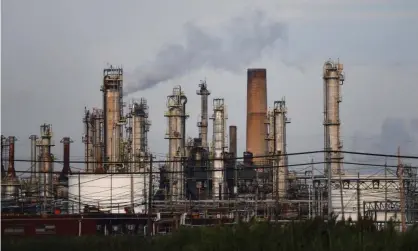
(204, 180)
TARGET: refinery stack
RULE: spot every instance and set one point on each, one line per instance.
(118, 176)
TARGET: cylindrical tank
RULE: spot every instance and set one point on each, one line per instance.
(9, 190)
(256, 112)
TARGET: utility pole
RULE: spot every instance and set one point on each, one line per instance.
(386, 192)
(341, 197)
(311, 189)
(358, 211)
(276, 175)
(149, 222)
(401, 190)
(358, 198)
(329, 192)
(79, 194)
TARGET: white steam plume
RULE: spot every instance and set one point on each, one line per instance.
(243, 41)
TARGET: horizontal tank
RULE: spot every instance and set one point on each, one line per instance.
(9, 190)
(108, 192)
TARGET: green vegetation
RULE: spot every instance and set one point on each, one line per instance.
(306, 236)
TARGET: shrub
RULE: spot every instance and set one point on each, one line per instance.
(296, 236)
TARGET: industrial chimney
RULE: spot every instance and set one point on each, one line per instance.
(233, 140)
(256, 112)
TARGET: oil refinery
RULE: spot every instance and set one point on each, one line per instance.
(204, 180)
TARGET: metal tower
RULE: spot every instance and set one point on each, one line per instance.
(219, 145)
(333, 77)
(280, 171)
(176, 104)
(113, 115)
(203, 123)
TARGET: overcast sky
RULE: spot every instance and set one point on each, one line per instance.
(53, 54)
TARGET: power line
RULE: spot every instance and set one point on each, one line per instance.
(235, 158)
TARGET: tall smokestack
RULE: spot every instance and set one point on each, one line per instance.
(256, 112)
(3, 157)
(233, 140)
(66, 141)
(11, 169)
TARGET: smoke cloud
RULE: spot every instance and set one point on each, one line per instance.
(394, 132)
(243, 41)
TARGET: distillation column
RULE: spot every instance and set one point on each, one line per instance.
(46, 190)
(270, 132)
(97, 123)
(4, 156)
(88, 141)
(10, 185)
(280, 171)
(219, 123)
(333, 77)
(139, 128)
(4, 152)
(233, 140)
(33, 159)
(11, 172)
(113, 119)
(203, 123)
(175, 135)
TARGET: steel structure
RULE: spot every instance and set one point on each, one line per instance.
(203, 123)
(219, 136)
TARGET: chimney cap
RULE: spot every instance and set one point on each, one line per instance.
(256, 69)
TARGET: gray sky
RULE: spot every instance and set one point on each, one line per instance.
(53, 53)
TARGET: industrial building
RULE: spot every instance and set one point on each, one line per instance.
(203, 180)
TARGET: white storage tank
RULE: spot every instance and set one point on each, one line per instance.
(108, 192)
